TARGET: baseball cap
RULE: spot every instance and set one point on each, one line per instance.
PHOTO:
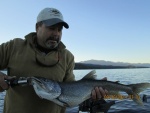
(51, 16)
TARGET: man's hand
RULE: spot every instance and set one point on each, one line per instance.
(99, 92)
(3, 84)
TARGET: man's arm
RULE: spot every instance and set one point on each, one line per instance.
(3, 83)
(5, 52)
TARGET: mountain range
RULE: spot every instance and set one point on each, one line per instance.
(110, 63)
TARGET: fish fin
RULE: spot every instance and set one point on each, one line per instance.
(117, 81)
(137, 88)
(136, 98)
(90, 75)
(59, 102)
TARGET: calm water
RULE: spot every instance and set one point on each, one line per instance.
(125, 76)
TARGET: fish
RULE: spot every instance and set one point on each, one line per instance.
(73, 93)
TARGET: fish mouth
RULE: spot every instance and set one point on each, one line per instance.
(38, 81)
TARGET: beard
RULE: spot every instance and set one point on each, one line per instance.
(52, 42)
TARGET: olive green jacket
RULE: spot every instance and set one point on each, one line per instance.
(22, 59)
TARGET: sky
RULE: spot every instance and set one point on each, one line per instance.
(111, 30)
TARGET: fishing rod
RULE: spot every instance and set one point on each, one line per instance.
(21, 81)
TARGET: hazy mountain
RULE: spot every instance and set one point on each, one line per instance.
(103, 62)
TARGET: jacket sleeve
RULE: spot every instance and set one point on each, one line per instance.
(69, 71)
(5, 53)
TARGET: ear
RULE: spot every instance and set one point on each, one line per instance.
(36, 27)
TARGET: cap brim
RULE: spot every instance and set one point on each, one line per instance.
(54, 21)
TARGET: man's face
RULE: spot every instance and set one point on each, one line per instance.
(49, 36)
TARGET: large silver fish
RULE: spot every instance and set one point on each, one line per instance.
(71, 94)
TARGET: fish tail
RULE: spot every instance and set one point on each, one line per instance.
(136, 89)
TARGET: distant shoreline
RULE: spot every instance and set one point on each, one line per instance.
(95, 66)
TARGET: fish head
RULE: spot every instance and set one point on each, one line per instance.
(46, 88)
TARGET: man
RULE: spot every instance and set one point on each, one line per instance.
(40, 54)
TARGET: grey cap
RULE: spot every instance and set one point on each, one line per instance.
(51, 16)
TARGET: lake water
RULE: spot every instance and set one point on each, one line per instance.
(125, 76)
